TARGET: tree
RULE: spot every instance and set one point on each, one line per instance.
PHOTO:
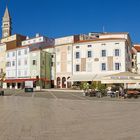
(2, 77)
(84, 86)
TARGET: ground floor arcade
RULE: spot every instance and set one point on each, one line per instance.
(20, 83)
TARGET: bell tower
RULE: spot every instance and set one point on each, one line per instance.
(6, 24)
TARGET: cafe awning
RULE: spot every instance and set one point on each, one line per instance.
(86, 77)
(122, 77)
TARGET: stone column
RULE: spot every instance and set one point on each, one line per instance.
(16, 86)
(10, 85)
(5, 85)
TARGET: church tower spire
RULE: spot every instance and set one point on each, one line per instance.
(6, 24)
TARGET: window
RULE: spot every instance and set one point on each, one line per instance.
(19, 73)
(117, 52)
(69, 48)
(77, 67)
(133, 64)
(89, 46)
(103, 53)
(43, 62)
(34, 62)
(77, 55)
(103, 66)
(89, 54)
(103, 44)
(13, 63)
(117, 66)
(8, 64)
(1, 70)
(5, 24)
(52, 64)
(8, 54)
(25, 72)
(25, 61)
(25, 51)
(19, 62)
(19, 52)
(13, 54)
(127, 50)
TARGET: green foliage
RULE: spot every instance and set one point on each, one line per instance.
(38, 83)
(101, 87)
(2, 77)
(93, 85)
(84, 85)
(98, 86)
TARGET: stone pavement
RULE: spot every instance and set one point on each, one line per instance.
(60, 119)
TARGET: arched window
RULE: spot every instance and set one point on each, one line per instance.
(68, 83)
(58, 82)
(64, 82)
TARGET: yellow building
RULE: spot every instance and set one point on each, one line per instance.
(2, 58)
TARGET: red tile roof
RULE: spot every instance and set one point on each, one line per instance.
(100, 39)
(137, 48)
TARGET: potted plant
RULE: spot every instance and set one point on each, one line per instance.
(85, 87)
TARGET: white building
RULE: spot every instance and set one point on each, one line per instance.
(136, 58)
(105, 55)
(17, 67)
(38, 39)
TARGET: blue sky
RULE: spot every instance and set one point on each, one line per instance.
(55, 18)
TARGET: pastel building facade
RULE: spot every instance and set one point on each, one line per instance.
(64, 60)
(40, 68)
(17, 67)
(27, 62)
(23, 64)
(107, 54)
(2, 58)
(136, 58)
(51, 50)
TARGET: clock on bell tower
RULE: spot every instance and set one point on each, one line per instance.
(6, 24)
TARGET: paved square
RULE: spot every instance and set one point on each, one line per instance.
(30, 118)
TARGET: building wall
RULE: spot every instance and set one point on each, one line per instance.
(41, 68)
(63, 51)
(106, 35)
(138, 62)
(35, 68)
(38, 41)
(48, 72)
(63, 62)
(93, 64)
(3, 57)
(8, 39)
(17, 63)
(64, 40)
(23, 67)
(53, 58)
